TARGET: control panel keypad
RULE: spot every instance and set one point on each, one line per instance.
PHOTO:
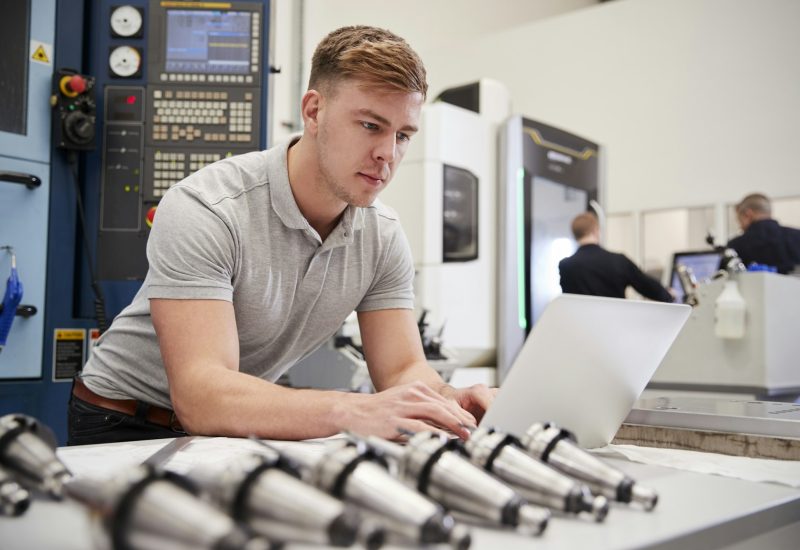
(192, 116)
(170, 167)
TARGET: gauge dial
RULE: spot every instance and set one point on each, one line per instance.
(126, 21)
(124, 61)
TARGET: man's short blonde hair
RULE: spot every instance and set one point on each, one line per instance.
(756, 202)
(375, 56)
(584, 224)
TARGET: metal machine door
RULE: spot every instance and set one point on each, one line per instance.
(23, 226)
(27, 28)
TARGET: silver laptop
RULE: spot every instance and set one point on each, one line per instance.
(584, 364)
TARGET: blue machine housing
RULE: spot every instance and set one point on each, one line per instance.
(82, 42)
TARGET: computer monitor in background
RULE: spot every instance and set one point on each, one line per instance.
(703, 263)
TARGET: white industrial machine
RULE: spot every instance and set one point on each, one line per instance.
(445, 193)
(762, 361)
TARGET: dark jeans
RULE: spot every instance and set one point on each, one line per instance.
(87, 424)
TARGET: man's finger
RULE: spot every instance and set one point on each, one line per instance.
(483, 396)
(454, 405)
(444, 417)
(410, 425)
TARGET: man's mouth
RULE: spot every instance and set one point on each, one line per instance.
(373, 179)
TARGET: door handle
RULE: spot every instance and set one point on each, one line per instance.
(23, 310)
(28, 180)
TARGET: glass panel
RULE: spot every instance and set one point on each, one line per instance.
(665, 232)
(459, 215)
(14, 27)
(787, 211)
(553, 207)
(621, 234)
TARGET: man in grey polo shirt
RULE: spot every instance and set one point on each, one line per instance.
(256, 260)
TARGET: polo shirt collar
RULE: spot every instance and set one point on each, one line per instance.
(285, 206)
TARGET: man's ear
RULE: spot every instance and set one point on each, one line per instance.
(310, 107)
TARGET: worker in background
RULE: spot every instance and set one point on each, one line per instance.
(764, 240)
(256, 260)
(595, 271)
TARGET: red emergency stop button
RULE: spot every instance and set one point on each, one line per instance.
(77, 84)
(72, 85)
(151, 215)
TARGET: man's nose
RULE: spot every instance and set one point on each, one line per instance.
(386, 149)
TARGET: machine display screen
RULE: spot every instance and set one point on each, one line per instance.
(703, 265)
(208, 42)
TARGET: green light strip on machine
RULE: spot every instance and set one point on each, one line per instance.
(523, 321)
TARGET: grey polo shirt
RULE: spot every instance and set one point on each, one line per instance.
(232, 231)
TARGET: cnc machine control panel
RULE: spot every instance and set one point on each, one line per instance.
(183, 87)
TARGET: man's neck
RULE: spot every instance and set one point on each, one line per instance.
(318, 206)
(590, 239)
(759, 218)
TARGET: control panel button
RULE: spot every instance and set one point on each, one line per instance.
(150, 216)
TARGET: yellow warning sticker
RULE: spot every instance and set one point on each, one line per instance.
(70, 334)
(41, 52)
(68, 353)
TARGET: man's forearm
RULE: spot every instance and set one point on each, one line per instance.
(416, 372)
(230, 403)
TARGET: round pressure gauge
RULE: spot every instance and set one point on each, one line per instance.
(126, 21)
(124, 61)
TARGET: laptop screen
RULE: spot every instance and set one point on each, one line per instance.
(584, 365)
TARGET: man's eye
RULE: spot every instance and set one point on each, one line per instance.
(369, 125)
(403, 137)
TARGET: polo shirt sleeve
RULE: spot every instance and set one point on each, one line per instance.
(393, 286)
(190, 250)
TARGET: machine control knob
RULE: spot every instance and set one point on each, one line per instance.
(79, 127)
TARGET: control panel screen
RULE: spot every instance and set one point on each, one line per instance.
(703, 265)
(208, 42)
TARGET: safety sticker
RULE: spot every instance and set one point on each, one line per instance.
(68, 346)
(42, 52)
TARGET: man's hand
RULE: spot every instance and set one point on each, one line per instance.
(414, 396)
(474, 399)
(413, 407)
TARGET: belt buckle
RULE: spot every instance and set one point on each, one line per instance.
(175, 424)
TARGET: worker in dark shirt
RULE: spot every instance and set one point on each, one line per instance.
(764, 240)
(596, 271)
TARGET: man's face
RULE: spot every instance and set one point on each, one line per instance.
(745, 218)
(363, 134)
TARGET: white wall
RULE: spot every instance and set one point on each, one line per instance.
(432, 27)
(695, 101)
(285, 54)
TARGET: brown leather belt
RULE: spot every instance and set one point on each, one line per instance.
(155, 415)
